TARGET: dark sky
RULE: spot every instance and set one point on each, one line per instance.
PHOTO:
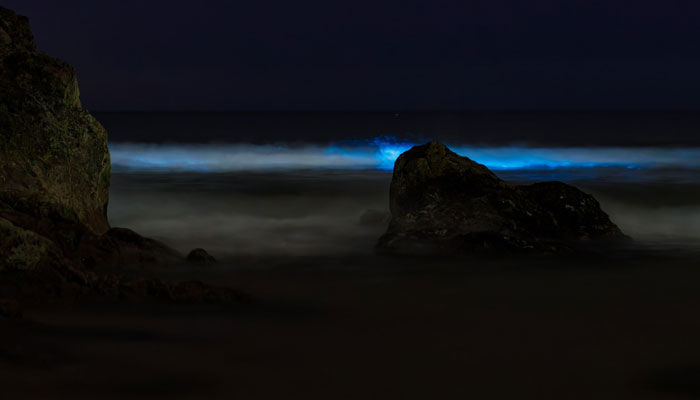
(295, 54)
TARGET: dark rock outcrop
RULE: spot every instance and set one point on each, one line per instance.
(54, 162)
(54, 182)
(124, 247)
(443, 202)
(200, 257)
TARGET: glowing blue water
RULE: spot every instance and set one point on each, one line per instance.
(381, 153)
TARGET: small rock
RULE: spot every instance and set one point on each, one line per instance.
(10, 308)
(201, 257)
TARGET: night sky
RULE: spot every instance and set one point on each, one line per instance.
(282, 54)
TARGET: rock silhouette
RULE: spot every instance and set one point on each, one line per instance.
(443, 202)
(200, 257)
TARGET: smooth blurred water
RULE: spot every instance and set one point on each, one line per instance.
(318, 212)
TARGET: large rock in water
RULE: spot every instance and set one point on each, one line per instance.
(443, 202)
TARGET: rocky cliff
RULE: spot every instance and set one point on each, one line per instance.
(54, 162)
(54, 185)
(443, 202)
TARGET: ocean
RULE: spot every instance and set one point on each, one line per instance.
(244, 184)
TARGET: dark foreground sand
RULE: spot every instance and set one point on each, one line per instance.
(380, 328)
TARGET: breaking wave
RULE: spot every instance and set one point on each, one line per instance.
(380, 154)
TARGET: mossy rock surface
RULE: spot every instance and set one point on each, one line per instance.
(24, 250)
(54, 161)
(443, 202)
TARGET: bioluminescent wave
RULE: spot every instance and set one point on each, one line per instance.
(380, 154)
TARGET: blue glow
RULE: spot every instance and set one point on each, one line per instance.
(388, 150)
(381, 153)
